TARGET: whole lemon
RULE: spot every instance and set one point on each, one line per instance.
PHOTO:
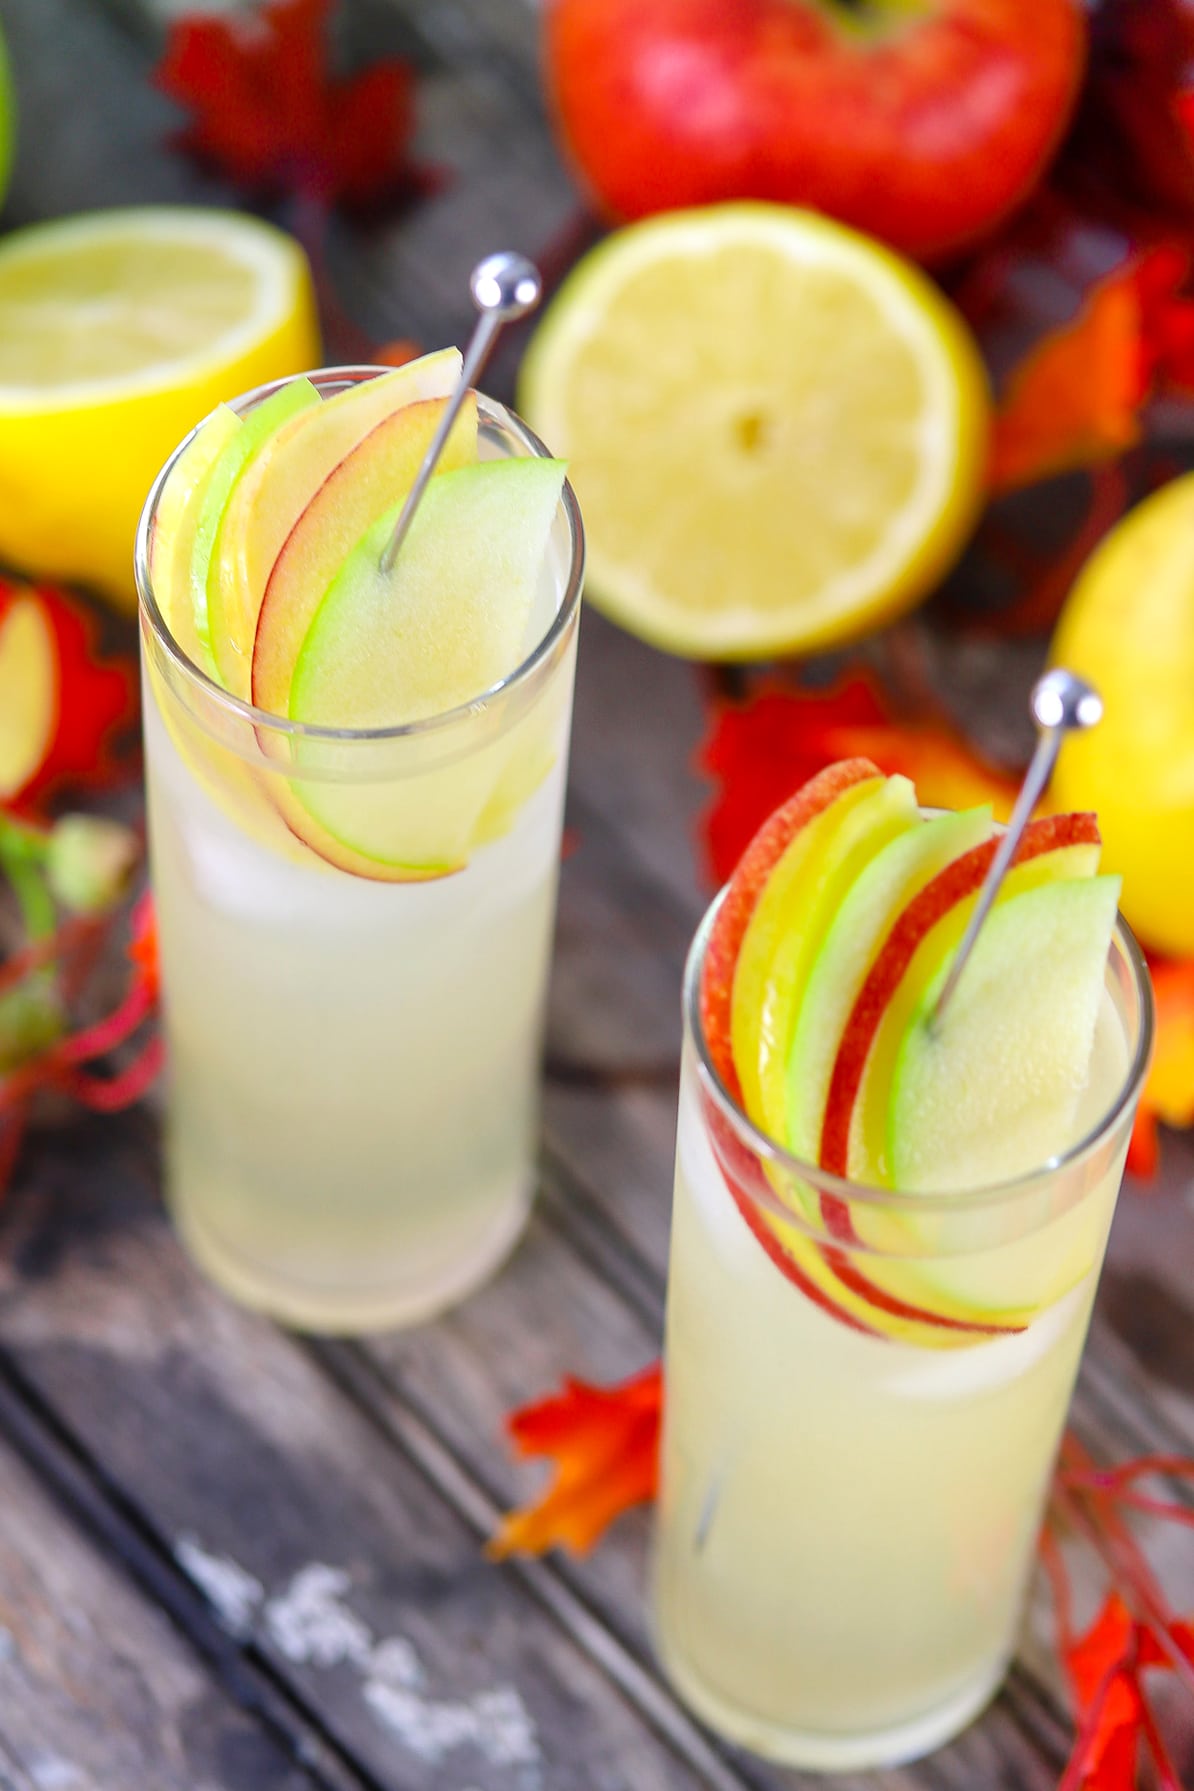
(1128, 626)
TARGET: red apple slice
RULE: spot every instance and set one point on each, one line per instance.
(742, 895)
(280, 481)
(797, 1255)
(1054, 847)
(365, 484)
(954, 885)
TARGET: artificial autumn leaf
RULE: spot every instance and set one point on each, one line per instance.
(63, 707)
(1168, 1095)
(267, 113)
(759, 751)
(604, 1442)
(1075, 398)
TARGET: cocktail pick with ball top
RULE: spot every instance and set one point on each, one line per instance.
(1062, 703)
(504, 287)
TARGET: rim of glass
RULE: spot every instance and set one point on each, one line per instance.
(988, 1194)
(491, 411)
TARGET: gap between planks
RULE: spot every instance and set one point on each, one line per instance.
(101, 1510)
(361, 1379)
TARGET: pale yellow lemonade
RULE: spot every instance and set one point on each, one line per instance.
(354, 1063)
(847, 1521)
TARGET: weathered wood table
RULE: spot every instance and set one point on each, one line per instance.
(233, 1558)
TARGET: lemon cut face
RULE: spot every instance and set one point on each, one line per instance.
(776, 429)
(118, 331)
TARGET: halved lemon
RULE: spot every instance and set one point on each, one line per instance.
(776, 428)
(119, 330)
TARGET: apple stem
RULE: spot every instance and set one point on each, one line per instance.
(504, 286)
(1062, 703)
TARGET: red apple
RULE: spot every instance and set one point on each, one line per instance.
(923, 125)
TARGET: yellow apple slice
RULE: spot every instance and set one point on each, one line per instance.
(791, 918)
(882, 890)
(256, 428)
(280, 481)
(172, 536)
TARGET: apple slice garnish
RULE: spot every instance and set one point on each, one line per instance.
(856, 931)
(369, 482)
(895, 983)
(172, 535)
(984, 1096)
(928, 877)
(444, 625)
(255, 429)
(920, 943)
(742, 894)
(278, 483)
(804, 891)
(797, 1256)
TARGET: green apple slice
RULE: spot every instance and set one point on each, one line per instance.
(279, 482)
(368, 483)
(172, 540)
(882, 890)
(256, 428)
(1070, 857)
(446, 624)
(992, 1091)
(793, 913)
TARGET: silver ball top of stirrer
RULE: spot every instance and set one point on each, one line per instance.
(507, 284)
(1061, 704)
(1063, 700)
(504, 287)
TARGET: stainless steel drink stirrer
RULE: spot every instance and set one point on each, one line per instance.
(1062, 703)
(504, 287)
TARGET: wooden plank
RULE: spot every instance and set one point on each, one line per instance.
(445, 1375)
(97, 1688)
(83, 88)
(352, 1578)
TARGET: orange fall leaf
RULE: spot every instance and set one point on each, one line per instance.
(1075, 398)
(604, 1442)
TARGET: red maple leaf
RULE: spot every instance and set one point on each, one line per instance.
(75, 705)
(761, 750)
(266, 111)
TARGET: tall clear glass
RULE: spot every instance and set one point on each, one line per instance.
(850, 1494)
(354, 1064)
